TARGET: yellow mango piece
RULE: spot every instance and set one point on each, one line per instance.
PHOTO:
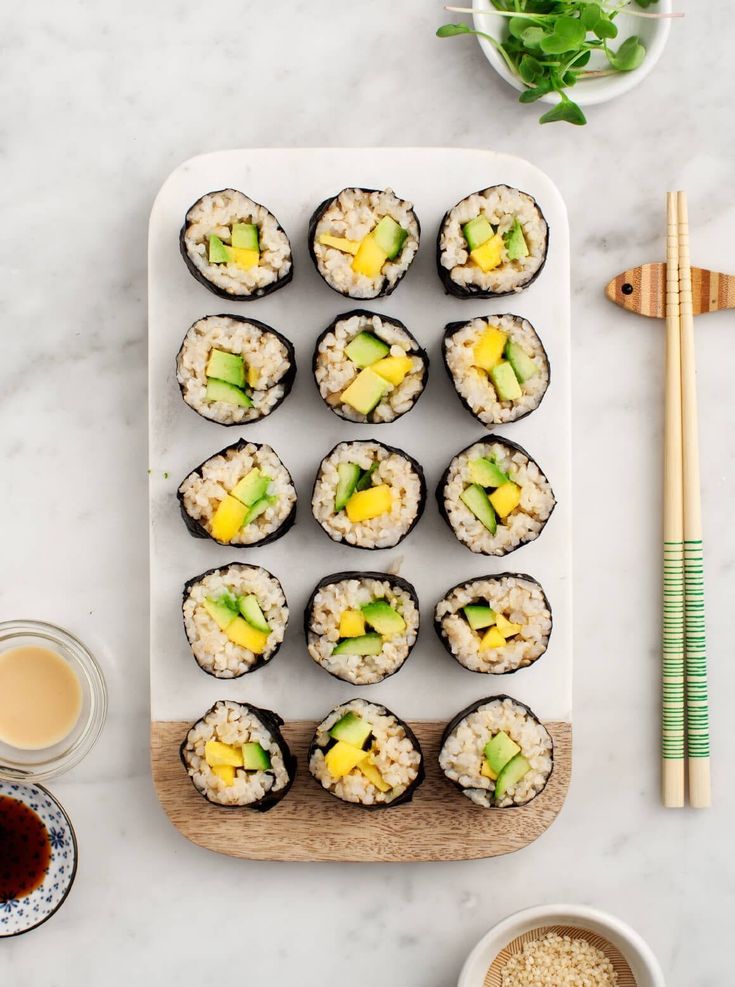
(340, 243)
(226, 772)
(244, 258)
(217, 754)
(372, 774)
(242, 633)
(490, 254)
(370, 257)
(370, 503)
(228, 519)
(488, 350)
(252, 376)
(342, 758)
(351, 624)
(506, 498)
(392, 368)
(506, 627)
(487, 772)
(492, 639)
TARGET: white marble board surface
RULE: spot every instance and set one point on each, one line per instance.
(292, 182)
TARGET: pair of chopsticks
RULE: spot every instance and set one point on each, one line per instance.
(685, 716)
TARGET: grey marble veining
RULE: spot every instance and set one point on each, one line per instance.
(99, 103)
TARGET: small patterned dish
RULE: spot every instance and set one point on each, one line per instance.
(19, 915)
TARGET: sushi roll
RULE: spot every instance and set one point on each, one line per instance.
(494, 497)
(494, 624)
(361, 626)
(363, 754)
(363, 241)
(235, 247)
(494, 242)
(369, 368)
(233, 370)
(498, 753)
(237, 757)
(242, 496)
(368, 494)
(498, 366)
(235, 618)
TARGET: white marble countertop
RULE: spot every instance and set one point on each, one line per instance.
(100, 103)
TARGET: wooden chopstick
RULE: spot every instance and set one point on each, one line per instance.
(697, 705)
(672, 641)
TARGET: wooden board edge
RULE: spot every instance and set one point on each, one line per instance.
(310, 825)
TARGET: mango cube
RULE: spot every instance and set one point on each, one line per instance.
(342, 758)
(340, 243)
(506, 498)
(370, 257)
(228, 519)
(506, 627)
(372, 774)
(351, 623)
(244, 258)
(490, 254)
(492, 639)
(488, 350)
(242, 633)
(217, 754)
(370, 503)
(393, 368)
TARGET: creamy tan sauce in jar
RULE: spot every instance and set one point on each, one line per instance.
(40, 697)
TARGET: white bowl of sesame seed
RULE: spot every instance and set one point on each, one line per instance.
(560, 945)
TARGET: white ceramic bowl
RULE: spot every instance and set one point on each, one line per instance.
(643, 964)
(653, 31)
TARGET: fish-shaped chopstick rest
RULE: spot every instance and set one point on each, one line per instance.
(643, 290)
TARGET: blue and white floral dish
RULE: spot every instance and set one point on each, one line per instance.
(19, 915)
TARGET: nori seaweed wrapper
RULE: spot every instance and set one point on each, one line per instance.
(197, 530)
(474, 291)
(387, 289)
(215, 289)
(403, 799)
(286, 382)
(494, 577)
(260, 661)
(272, 723)
(454, 723)
(338, 577)
(419, 352)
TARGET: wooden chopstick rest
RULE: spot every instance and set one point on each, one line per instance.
(643, 290)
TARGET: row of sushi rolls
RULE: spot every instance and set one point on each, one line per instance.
(362, 626)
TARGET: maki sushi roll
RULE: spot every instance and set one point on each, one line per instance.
(368, 494)
(498, 366)
(494, 624)
(361, 626)
(494, 497)
(362, 753)
(235, 618)
(369, 368)
(493, 242)
(236, 756)
(235, 247)
(233, 370)
(363, 241)
(498, 753)
(242, 496)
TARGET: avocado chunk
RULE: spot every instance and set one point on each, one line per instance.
(505, 382)
(250, 609)
(515, 242)
(479, 616)
(389, 236)
(226, 366)
(220, 390)
(365, 349)
(347, 476)
(511, 774)
(258, 508)
(366, 391)
(523, 366)
(251, 487)
(368, 644)
(218, 252)
(487, 473)
(477, 232)
(219, 612)
(254, 757)
(245, 235)
(499, 751)
(352, 729)
(477, 500)
(381, 616)
(366, 480)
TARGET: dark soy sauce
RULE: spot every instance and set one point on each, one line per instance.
(25, 850)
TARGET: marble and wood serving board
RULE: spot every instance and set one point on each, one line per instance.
(309, 824)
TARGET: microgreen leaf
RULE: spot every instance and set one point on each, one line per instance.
(606, 29)
(530, 70)
(628, 56)
(569, 33)
(590, 15)
(566, 111)
(531, 95)
(451, 30)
